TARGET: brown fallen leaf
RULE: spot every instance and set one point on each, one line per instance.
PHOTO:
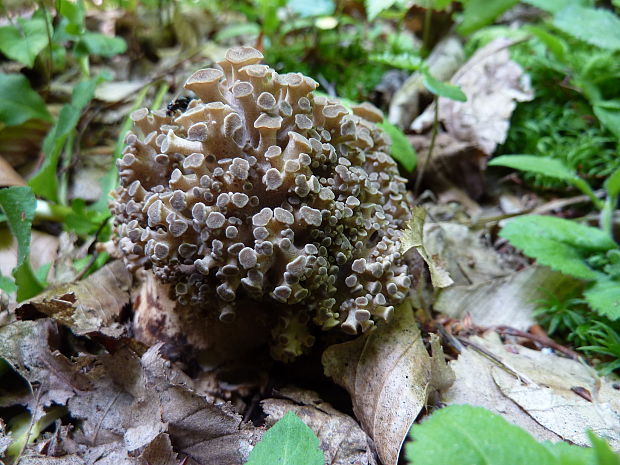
(487, 288)
(43, 250)
(474, 385)
(493, 84)
(342, 440)
(8, 176)
(509, 300)
(131, 409)
(387, 373)
(91, 306)
(443, 62)
(550, 399)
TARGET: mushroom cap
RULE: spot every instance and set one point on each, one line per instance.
(262, 191)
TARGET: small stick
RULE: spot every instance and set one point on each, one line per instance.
(542, 340)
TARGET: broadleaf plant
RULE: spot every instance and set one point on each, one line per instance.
(461, 434)
(19, 204)
(289, 441)
(569, 247)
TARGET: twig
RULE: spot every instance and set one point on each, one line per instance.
(503, 365)
(545, 341)
(418, 181)
(31, 422)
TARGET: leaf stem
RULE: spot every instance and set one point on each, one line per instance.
(427, 160)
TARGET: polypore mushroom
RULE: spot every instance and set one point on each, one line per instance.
(263, 191)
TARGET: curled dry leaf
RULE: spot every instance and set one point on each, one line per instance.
(443, 62)
(413, 237)
(493, 84)
(131, 409)
(342, 440)
(387, 373)
(93, 305)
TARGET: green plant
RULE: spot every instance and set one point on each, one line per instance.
(289, 441)
(574, 67)
(464, 434)
(571, 319)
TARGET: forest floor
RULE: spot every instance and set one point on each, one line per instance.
(504, 118)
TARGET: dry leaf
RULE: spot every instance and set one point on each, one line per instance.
(443, 61)
(131, 409)
(474, 385)
(8, 176)
(342, 440)
(493, 84)
(550, 398)
(93, 305)
(43, 250)
(387, 373)
(413, 237)
(539, 384)
(509, 300)
(116, 91)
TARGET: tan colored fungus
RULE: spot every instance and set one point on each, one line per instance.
(261, 190)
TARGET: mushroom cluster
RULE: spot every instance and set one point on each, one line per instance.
(261, 190)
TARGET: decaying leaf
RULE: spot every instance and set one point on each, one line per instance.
(413, 236)
(508, 300)
(486, 287)
(8, 176)
(131, 409)
(387, 373)
(474, 385)
(443, 61)
(493, 84)
(43, 250)
(342, 440)
(542, 385)
(93, 305)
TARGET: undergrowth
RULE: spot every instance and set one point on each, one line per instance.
(560, 123)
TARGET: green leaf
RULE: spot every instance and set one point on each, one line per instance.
(558, 243)
(604, 297)
(24, 41)
(551, 167)
(18, 102)
(442, 89)
(608, 113)
(375, 7)
(306, 9)
(287, 442)
(94, 43)
(595, 26)
(612, 184)
(19, 204)
(7, 284)
(553, 6)
(462, 434)
(45, 182)
(602, 451)
(479, 13)
(408, 61)
(556, 45)
(402, 151)
(74, 13)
